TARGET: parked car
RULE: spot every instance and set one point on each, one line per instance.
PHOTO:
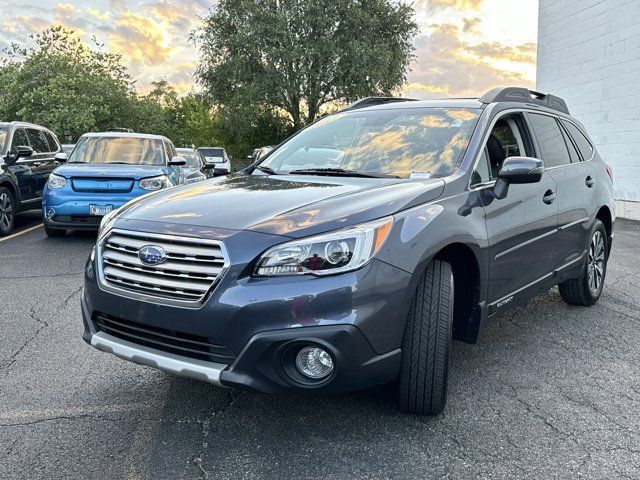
(291, 276)
(258, 153)
(27, 154)
(105, 171)
(68, 147)
(195, 169)
(218, 158)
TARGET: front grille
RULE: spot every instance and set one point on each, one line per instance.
(92, 220)
(191, 268)
(102, 185)
(171, 341)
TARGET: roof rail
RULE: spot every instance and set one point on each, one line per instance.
(371, 101)
(523, 95)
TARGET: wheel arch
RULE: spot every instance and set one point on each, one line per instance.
(7, 183)
(605, 216)
(467, 279)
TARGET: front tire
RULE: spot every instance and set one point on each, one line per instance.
(587, 288)
(54, 232)
(7, 211)
(426, 344)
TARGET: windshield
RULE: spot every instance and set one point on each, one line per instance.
(407, 142)
(213, 155)
(191, 156)
(124, 150)
(3, 138)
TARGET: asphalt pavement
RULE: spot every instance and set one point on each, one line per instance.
(550, 391)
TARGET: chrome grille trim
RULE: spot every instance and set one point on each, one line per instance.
(192, 269)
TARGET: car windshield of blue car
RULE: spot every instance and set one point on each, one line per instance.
(402, 142)
(119, 150)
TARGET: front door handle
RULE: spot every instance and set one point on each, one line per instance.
(589, 182)
(549, 197)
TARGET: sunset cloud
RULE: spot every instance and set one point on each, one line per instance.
(464, 47)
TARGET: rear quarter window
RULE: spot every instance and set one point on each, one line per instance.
(584, 145)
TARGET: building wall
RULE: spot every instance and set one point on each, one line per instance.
(589, 54)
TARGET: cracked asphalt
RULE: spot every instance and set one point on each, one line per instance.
(550, 391)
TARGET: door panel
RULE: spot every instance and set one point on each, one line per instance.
(22, 169)
(41, 162)
(522, 231)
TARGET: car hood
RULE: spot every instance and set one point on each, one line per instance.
(105, 170)
(289, 205)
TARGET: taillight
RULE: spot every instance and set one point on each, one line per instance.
(609, 171)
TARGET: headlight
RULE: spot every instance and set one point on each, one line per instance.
(326, 254)
(56, 181)
(155, 183)
(106, 223)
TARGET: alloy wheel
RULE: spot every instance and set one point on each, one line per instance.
(595, 267)
(6, 211)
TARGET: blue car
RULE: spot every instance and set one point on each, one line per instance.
(103, 172)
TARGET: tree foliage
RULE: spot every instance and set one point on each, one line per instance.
(73, 88)
(296, 56)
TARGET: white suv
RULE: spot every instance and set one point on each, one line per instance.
(217, 157)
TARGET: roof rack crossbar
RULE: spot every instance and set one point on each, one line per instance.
(523, 95)
(371, 101)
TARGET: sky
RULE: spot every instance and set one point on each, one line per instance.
(464, 47)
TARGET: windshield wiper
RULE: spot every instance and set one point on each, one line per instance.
(340, 172)
(267, 170)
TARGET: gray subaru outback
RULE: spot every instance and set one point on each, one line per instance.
(353, 253)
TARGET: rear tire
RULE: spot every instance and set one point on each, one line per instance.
(586, 289)
(7, 211)
(54, 232)
(427, 342)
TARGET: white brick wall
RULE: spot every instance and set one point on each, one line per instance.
(589, 54)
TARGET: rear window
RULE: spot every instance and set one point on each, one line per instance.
(119, 150)
(584, 145)
(215, 155)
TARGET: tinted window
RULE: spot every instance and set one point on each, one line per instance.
(124, 150)
(19, 139)
(573, 153)
(38, 141)
(505, 135)
(53, 144)
(394, 141)
(547, 131)
(584, 145)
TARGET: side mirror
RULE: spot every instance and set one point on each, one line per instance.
(177, 162)
(61, 157)
(239, 168)
(23, 151)
(517, 170)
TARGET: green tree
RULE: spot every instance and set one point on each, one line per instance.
(296, 56)
(65, 85)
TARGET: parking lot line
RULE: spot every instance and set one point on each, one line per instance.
(4, 239)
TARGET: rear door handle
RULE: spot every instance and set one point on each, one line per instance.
(549, 197)
(589, 182)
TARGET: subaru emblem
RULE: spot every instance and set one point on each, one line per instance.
(152, 255)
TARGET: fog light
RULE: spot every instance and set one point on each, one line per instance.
(51, 213)
(314, 362)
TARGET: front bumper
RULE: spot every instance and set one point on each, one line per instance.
(357, 317)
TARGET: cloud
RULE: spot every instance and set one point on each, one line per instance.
(449, 62)
(449, 4)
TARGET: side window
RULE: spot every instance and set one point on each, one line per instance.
(171, 150)
(19, 140)
(573, 153)
(584, 145)
(507, 139)
(54, 146)
(482, 172)
(550, 141)
(38, 141)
